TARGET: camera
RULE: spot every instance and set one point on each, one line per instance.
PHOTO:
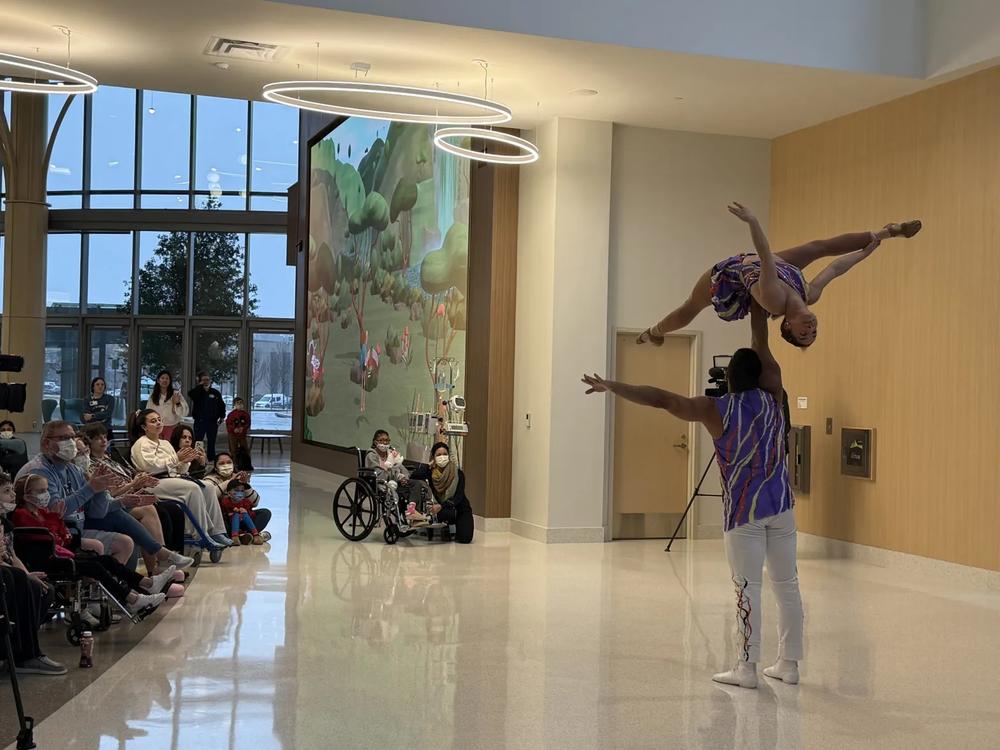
(718, 383)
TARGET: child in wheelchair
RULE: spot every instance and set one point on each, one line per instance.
(394, 478)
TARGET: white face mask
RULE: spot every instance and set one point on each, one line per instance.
(6, 434)
(41, 499)
(442, 461)
(67, 449)
(225, 470)
(82, 462)
(7, 508)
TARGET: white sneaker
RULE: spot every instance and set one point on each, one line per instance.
(145, 600)
(785, 670)
(160, 580)
(180, 561)
(743, 675)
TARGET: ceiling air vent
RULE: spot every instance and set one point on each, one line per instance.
(240, 49)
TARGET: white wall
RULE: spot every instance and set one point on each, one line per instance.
(558, 483)
(669, 224)
(885, 37)
(533, 332)
(960, 34)
(580, 324)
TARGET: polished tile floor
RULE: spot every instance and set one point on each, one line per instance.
(316, 642)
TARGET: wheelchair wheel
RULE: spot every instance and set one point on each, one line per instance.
(355, 510)
(73, 635)
(215, 555)
(391, 535)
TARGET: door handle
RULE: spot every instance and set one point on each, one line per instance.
(683, 443)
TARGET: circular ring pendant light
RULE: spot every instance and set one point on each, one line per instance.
(482, 111)
(68, 81)
(528, 150)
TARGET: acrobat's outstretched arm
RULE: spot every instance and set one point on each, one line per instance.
(770, 374)
(697, 409)
(769, 290)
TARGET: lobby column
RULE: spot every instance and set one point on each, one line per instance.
(25, 240)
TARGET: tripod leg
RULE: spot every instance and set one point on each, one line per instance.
(697, 491)
(25, 741)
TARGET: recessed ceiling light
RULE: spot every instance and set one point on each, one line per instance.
(221, 65)
(239, 130)
(584, 92)
(295, 142)
(177, 177)
(152, 110)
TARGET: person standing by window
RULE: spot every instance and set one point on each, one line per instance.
(167, 402)
(100, 406)
(208, 410)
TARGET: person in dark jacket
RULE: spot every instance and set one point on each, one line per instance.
(208, 410)
(100, 406)
(447, 483)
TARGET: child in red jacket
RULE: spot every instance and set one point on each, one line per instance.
(237, 506)
(139, 594)
(238, 429)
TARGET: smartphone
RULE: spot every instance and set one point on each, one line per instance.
(200, 446)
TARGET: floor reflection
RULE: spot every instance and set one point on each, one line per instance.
(316, 642)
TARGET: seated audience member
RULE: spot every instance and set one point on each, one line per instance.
(447, 483)
(239, 511)
(223, 473)
(182, 438)
(7, 430)
(136, 592)
(162, 521)
(28, 597)
(84, 503)
(157, 457)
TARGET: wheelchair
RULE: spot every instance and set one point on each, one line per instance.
(361, 502)
(73, 592)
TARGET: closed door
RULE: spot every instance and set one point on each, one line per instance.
(652, 449)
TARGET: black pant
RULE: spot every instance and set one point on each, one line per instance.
(172, 520)
(208, 429)
(460, 515)
(27, 602)
(115, 577)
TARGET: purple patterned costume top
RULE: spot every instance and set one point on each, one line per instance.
(751, 457)
(733, 277)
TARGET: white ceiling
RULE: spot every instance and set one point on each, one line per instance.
(159, 45)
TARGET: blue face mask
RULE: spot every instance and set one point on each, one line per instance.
(238, 495)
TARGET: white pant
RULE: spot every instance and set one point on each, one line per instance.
(202, 502)
(747, 547)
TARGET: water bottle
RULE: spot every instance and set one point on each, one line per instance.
(86, 650)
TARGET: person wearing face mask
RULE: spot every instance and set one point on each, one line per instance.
(138, 593)
(85, 502)
(222, 474)
(27, 596)
(447, 483)
(7, 430)
(240, 513)
(158, 457)
(13, 450)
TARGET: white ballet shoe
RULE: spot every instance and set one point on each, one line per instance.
(743, 675)
(784, 670)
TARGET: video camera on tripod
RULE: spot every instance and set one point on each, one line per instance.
(718, 382)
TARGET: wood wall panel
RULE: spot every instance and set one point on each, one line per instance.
(908, 340)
